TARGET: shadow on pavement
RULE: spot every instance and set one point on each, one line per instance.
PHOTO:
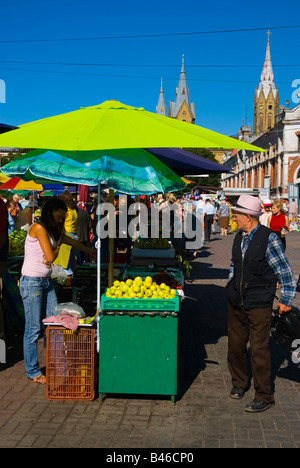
(201, 322)
(282, 364)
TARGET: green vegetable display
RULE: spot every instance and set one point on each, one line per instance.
(16, 243)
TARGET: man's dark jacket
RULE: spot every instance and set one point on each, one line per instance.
(253, 284)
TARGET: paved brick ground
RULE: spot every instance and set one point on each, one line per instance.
(204, 416)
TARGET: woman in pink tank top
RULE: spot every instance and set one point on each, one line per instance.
(39, 298)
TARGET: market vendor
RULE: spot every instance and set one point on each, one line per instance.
(42, 246)
(66, 257)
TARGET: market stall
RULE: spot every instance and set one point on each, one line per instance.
(104, 143)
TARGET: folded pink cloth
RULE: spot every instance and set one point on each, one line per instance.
(67, 321)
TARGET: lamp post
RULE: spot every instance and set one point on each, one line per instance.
(244, 159)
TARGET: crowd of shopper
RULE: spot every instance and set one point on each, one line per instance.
(81, 221)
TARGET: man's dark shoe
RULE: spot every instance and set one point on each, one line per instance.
(237, 393)
(258, 406)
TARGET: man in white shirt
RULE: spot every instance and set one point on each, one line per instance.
(199, 204)
(209, 212)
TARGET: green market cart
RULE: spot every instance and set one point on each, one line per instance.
(137, 341)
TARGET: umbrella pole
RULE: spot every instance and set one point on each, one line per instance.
(98, 253)
(111, 220)
(32, 216)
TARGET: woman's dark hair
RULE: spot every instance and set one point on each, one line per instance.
(47, 219)
(67, 197)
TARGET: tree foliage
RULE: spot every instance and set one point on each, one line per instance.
(213, 180)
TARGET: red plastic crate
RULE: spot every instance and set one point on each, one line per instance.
(70, 363)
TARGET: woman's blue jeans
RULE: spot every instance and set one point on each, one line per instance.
(39, 300)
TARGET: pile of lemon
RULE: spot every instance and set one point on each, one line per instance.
(139, 288)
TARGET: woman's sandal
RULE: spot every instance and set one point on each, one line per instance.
(39, 379)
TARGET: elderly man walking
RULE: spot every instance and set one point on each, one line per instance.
(258, 263)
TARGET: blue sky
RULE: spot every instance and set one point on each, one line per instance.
(222, 68)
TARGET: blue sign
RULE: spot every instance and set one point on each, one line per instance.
(293, 192)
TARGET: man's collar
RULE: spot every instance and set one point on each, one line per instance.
(251, 233)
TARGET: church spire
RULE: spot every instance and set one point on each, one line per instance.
(161, 108)
(266, 97)
(182, 64)
(267, 75)
(182, 104)
(182, 92)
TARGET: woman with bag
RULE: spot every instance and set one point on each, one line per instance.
(42, 245)
(279, 222)
(224, 217)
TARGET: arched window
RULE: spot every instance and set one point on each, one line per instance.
(270, 120)
(297, 176)
(261, 122)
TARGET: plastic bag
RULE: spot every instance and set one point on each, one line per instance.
(69, 308)
(59, 274)
(285, 328)
(298, 285)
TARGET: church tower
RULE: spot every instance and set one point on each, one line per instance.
(161, 107)
(182, 109)
(266, 98)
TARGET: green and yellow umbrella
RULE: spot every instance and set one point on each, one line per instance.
(113, 125)
(106, 143)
